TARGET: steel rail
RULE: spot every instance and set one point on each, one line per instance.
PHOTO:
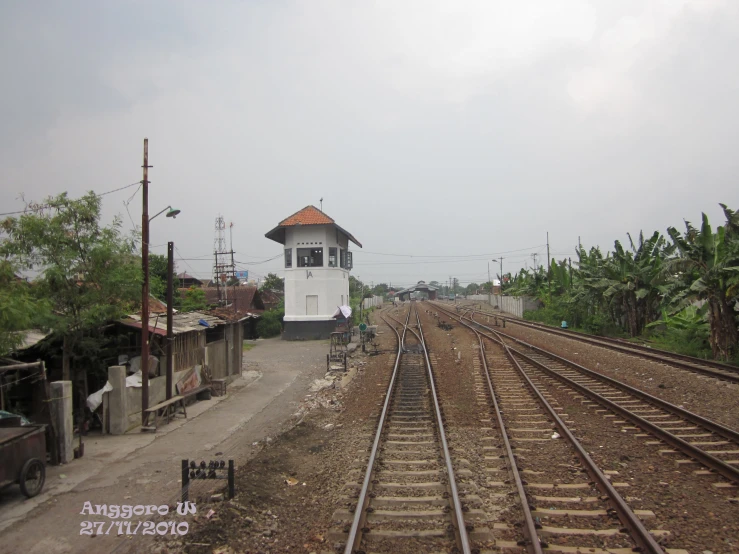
(726, 432)
(461, 527)
(690, 363)
(534, 546)
(355, 536)
(726, 470)
(641, 535)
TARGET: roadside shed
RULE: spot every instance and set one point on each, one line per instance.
(201, 340)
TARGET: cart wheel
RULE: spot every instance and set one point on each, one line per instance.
(32, 478)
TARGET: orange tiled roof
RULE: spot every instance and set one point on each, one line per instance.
(310, 215)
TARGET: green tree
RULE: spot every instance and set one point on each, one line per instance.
(87, 272)
(380, 290)
(707, 268)
(158, 276)
(270, 324)
(273, 282)
(18, 310)
(194, 300)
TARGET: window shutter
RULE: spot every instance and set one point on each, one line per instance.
(349, 260)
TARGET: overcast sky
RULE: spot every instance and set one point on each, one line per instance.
(429, 128)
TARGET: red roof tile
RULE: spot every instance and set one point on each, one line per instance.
(310, 215)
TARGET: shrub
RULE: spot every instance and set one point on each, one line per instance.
(270, 324)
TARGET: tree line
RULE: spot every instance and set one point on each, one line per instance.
(680, 289)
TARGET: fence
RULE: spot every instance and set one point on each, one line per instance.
(514, 305)
(371, 302)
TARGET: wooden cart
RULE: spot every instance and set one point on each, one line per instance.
(23, 458)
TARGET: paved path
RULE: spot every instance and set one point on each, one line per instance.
(143, 468)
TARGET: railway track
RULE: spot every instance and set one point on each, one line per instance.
(408, 500)
(709, 368)
(566, 503)
(699, 439)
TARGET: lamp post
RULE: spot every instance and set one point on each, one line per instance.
(501, 275)
(145, 219)
(490, 293)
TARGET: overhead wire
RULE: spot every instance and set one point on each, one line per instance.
(448, 255)
(42, 206)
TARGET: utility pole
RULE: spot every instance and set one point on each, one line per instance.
(170, 331)
(549, 271)
(490, 290)
(222, 269)
(570, 260)
(233, 265)
(145, 287)
(534, 255)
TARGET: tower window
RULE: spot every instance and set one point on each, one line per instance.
(310, 257)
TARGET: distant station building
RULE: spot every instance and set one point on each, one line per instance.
(428, 291)
(317, 265)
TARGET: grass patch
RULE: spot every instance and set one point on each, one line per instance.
(245, 347)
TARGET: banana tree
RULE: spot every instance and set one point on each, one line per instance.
(708, 267)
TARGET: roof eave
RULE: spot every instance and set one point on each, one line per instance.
(348, 235)
(277, 234)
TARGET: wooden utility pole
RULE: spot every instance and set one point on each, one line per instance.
(145, 287)
(170, 331)
(549, 271)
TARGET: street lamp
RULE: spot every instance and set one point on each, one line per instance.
(173, 213)
(145, 219)
(501, 274)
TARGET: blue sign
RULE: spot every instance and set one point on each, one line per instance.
(242, 275)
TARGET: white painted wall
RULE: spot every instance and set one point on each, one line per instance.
(329, 284)
(373, 301)
(511, 304)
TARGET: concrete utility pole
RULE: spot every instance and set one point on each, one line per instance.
(145, 287)
(501, 275)
(490, 290)
(549, 271)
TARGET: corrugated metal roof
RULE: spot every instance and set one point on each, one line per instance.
(181, 323)
(32, 337)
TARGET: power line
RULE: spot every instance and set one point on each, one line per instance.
(183, 259)
(42, 206)
(449, 255)
(262, 262)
